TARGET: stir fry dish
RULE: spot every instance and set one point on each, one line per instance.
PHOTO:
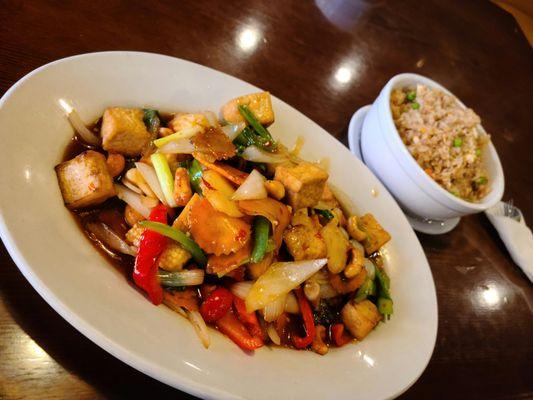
(224, 225)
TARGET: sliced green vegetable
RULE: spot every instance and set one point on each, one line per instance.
(258, 128)
(195, 176)
(385, 307)
(249, 138)
(186, 242)
(183, 134)
(478, 152)
(383, 282)
(261, 229)
(164, 176)
(324, 213)
(411, 96)
(415, 106)
(190, 277)
(151, 120)
(368, 288)
(457, 142)
(482, 180)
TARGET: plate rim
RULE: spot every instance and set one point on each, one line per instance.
(129, 357)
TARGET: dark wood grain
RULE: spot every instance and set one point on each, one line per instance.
(484, 348)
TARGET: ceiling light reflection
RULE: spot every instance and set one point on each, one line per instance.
(193, 366)
(65, 106)
(490, 296)
(27, 173)
(35, 351)
(248, 38)
(346, 73)
(370, 362)
(343, 74)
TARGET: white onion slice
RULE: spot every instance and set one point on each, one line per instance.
(279, 279)
(370, 268)
(186, 277)
(200, 327)
(149, 202)
(233, 130)
(291, 304)
(253, 153)
(182, 146)
(253, 188)
(273, 310)
(130, 185)
(211, 118)
(108, 237)
(241, 289)
(149, 175)
(78, 125)
(273, 334)
(136, 201)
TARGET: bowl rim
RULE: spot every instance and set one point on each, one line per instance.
(414, 168)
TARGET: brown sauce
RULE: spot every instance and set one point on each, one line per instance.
(110, 212)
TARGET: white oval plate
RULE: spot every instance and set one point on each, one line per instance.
(60, 263)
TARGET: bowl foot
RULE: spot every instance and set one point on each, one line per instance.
(432, 226)
(354, 131)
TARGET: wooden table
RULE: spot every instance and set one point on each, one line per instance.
(326, 58)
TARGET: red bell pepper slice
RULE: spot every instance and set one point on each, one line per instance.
(248, 319)
(309, 322)
(216, 305)
(151, 246)
(339, 335)
(230, 325)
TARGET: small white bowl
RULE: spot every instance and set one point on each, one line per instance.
(432, 208)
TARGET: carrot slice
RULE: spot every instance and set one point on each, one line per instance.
(182, 222)
(223, 264)
(227, 171)
(216, 232)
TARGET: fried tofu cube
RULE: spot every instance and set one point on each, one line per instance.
(85, 180)
(123, 131)
(183, 121)
(360, 318)
(303, 238)
(304, 183)
(376, 235)
(260, 104)
(328, 198)
(303, 243)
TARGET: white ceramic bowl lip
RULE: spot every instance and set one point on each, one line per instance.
(428, 185)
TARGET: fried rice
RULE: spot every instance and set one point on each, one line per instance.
(444, 139)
